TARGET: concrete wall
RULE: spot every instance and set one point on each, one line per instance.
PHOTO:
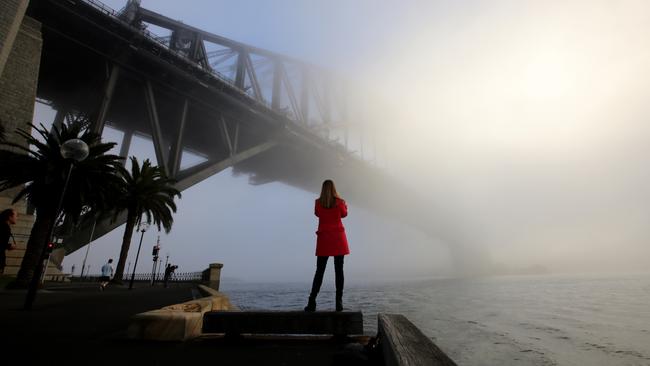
(20, 57)
(19, 79)
(11, 17)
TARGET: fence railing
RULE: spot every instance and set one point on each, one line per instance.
(146, 277)
(160, 41)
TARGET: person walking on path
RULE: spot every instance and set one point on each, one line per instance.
(331, 241)
(8, 217)
(107, 274)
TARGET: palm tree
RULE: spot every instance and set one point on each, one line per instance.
(149, 193)
(40, 171)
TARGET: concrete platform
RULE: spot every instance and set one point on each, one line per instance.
(283, 322)
(79, 324)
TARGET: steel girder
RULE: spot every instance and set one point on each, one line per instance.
(139, 86)
(278, 91)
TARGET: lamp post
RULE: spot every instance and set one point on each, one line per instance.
(142, 228)
(156, 250)
(167, 260)
(71, 150)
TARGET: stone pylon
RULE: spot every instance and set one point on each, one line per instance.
(20, 56)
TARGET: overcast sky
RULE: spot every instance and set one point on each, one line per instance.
(526, 120)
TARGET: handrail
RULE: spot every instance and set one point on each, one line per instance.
(146, 277)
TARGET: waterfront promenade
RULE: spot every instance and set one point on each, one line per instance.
(76, 323)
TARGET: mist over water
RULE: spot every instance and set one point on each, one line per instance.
(523, 126)
(515, 320)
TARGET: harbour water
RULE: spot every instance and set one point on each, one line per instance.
(523, 320)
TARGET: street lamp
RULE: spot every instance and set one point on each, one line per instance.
(154, 273)
(71, 150)
(142, 228)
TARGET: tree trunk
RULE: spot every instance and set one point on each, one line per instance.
(35, 246)
(126, 244)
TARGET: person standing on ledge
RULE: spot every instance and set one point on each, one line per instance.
(331, 241)
(8, 217)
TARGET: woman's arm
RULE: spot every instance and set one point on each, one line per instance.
(344, 208)
(316, 208)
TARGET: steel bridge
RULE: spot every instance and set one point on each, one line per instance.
(266, 115)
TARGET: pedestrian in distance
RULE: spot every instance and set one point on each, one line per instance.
(8, 217)
(107, 274)
(169, 271)
(331, 241)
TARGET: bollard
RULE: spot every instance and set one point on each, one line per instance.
(212, 275)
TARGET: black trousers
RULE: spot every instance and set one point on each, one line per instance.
(321, 264)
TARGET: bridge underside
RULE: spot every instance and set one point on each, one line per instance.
(96, 66)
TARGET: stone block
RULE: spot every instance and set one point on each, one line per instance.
(176, 322)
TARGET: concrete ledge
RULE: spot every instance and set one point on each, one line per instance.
(403, 344)
(177, 322)
(165, 325)
(208, 291)
(283, 322)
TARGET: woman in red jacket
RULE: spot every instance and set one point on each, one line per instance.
(331, 241)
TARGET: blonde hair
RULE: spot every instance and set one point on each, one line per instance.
(328, 194)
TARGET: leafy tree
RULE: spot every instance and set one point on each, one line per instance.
(147, 193)
(40, 172)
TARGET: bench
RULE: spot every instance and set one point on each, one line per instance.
(234, 323)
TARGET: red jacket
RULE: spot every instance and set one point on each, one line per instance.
(331, 233)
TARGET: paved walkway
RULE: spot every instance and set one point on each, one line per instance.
(78, 324)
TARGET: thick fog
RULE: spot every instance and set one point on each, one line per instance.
(522, 126)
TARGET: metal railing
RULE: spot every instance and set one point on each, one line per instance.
(231, 83)
(146, 277)
(160, 41)
(228, 83)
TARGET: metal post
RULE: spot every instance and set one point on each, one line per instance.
(156, 249)
(156, 133)
(107, 96)
(47, 264)
(153, 271)
(58, 119)
(304, 96)
(92, 231)
(177, 148)
(135, 265)
(160, 268)
(277, 79)
(126, 145)
(240, 75)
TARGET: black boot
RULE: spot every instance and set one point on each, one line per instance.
(339, 301)
(321, 263)
(338, 269)
(311, 305)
